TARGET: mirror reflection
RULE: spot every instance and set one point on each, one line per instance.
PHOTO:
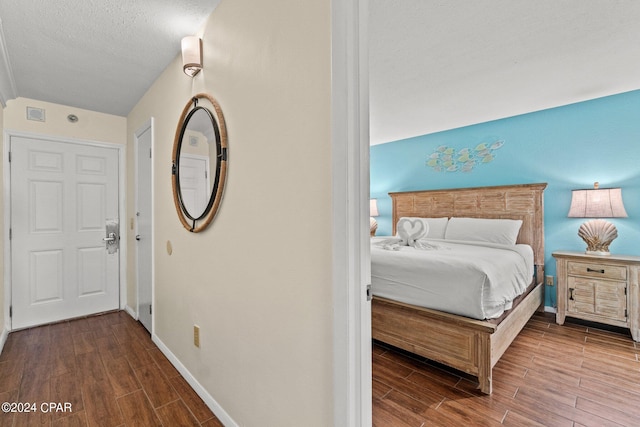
(197, 154)
(199, 162)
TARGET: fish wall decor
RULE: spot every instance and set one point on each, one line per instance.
(449, 159)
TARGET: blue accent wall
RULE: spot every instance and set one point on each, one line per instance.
(568, 147)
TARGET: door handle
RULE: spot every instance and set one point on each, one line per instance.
(110, 239)
(113, 239)
(571, 294)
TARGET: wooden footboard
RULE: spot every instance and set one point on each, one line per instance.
(471, 346)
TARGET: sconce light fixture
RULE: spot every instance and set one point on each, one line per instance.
(373, 211)
(191, 55)
(597, 203)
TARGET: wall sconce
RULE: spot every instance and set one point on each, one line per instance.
(373, 211)
(597, 203)
(191, 55)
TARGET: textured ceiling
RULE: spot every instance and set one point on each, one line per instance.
(437, 65)
(100, 55)
(434, 64)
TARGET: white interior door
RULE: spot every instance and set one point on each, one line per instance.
(62, 197)
(144, 255)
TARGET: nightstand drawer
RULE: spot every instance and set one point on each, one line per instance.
(601, 271)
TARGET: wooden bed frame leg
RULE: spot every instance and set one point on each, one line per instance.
(485, 384)
(484, 364)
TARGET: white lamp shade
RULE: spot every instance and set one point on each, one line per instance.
(191, 55)
(373, 207)
(597, 203)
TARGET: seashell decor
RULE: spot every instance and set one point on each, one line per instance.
(598, 235)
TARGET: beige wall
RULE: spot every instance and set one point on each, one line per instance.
(258, 281)
(91, 126)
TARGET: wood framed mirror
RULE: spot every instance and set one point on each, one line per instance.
(199, 162)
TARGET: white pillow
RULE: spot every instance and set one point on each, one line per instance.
(503, 231)
(436, 226)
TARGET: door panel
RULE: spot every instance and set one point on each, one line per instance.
(91, 206)
(45, 210)
(91, 265)
(45, 278)
(62, 195)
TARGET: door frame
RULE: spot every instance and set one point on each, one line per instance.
(148, 125)
(352, 385)
(6, 171)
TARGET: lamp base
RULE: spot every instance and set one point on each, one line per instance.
(598, 253)
(373, 226)
(598, 235)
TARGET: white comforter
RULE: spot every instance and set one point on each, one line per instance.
(473, 279)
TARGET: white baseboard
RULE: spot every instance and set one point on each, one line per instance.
(222, 415)
(131, 312)
(548, 309)
(3, 338)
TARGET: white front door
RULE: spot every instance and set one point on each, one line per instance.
(144, 255)
(62, 197)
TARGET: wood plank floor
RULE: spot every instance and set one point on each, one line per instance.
(111, 373)
(105, 367)
(570, 375)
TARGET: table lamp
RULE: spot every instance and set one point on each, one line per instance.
(597, 203)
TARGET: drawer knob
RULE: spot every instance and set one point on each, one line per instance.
(592, 270)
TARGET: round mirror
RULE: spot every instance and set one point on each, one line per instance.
(199, 162)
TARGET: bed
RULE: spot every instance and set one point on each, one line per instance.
(470, 345)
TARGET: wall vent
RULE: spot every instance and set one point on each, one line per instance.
(36, 114)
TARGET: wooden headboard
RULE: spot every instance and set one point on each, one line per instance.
(524, 202)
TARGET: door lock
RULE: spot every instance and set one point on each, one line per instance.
(112, 239)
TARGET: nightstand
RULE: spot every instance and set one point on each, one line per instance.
(600, 289)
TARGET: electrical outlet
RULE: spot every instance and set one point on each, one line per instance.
(196, 335)
(548, 280)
